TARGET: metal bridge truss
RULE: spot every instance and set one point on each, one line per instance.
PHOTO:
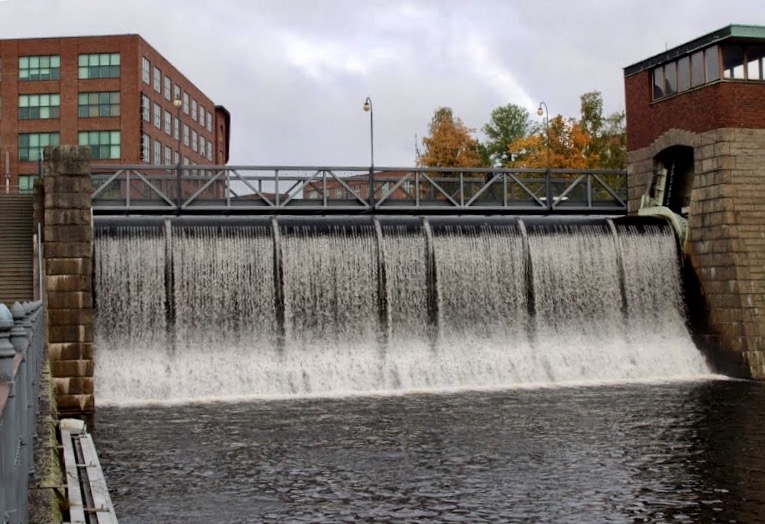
(148, 189)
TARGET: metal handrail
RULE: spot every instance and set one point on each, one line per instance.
(322, 189)
(21, 354)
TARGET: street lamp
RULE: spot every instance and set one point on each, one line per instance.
(178, 103)
(547, 127)
(368, 107)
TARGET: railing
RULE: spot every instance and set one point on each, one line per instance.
(21, 353)
(286, 189)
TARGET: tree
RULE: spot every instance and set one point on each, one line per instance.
(450, 144)
(507, 124)
(609, 137)
(569, 147)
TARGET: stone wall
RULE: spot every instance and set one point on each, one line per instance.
(68, 280)
(725, 246)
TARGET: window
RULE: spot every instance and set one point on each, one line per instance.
(39, 67)
(105, 65)
(201, 145)
(145, 147)
(168, 88)
(146, 108)
(168, 123)
(687, 72)
(157, 80)
(733, 62)
(754, 63)
(103, 144)
(185, 135)
(209, 122)
(176, 157)
(684, 74)
(31, 145)
(194, 109)
(194, 140)
(209, 151)
(168, 155)
(27, 183)
(176, 128)
(157, 152)
(712, 60)
(145, 69)
(157, 116)
(201, 115)
(39, 106)
(176, 92)
(697, 69)
(185, 102)
(98, 104)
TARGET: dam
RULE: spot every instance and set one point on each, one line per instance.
(358, 305)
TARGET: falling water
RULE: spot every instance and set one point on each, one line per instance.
(306, 307)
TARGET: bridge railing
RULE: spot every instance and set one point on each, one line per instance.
(307, 189)
(21, 354)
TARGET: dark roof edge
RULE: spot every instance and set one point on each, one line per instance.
(731, 31)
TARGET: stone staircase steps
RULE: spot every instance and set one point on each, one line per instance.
(16, 248)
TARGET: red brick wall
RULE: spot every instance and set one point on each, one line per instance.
(130, 85)
(724, 104)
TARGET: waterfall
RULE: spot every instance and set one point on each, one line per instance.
(317, 306)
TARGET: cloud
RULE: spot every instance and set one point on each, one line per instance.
(294, 76)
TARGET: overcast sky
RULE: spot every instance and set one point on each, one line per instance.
(295, 73)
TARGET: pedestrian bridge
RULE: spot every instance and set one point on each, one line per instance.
(269, 190)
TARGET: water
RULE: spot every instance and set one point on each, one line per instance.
(412, 371)
(646, 452)
(374, 305)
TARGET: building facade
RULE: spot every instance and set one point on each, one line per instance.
(696, 153)
(116, 94)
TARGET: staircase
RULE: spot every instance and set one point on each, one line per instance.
(16, 248)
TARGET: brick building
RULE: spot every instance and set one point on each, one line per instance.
(116, 94)
(696, 153)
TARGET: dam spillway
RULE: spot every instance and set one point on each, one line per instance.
(190, 308)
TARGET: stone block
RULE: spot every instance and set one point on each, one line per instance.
(69, 184)
(68, 283)
(71, 368)
(69, 299)
(74, 217)
(74, 385)
(57, 334)
(70, 317)
(67, 201)
(68, 249)
(68, 233)
(69, 266)
(67, 160)
(78, 404)
(70, 351)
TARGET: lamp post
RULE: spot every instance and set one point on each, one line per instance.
(178, 103)
(547, 127)
(368, 107)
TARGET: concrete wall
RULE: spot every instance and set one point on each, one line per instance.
(68, 280)
(725, 246)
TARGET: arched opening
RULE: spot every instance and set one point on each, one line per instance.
(673, 179)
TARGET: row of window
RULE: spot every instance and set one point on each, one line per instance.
(48, 105)
(205, 149)
(162, 84)
(48, 67)
(734, 62)
(103, 144)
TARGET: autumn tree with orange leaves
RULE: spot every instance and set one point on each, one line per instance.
(569, 147)
(450, 144)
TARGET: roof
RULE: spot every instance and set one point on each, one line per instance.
(731, 32)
